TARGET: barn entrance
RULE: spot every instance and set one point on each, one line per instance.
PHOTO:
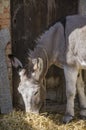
(29, 18)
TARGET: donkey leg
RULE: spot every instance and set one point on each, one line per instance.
(70, 77)
(82, 96)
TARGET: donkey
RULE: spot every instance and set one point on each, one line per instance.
(63, 47)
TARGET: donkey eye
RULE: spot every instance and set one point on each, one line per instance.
(36, 93)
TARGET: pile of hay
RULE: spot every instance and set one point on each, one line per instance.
(18, 120)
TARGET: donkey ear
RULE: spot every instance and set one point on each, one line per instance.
(38, 64)
(35, 64)
(15, 62)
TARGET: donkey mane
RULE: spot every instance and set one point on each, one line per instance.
(42, 39)
(46, 34)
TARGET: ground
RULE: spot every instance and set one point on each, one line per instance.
(18, 120)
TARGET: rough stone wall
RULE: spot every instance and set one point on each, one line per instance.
(5, 66)
(5, 23)
(4, 13)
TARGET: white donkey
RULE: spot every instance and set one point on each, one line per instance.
(64, 47)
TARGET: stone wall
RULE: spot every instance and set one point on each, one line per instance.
(5, 23)
(4, 13)
(5, 66)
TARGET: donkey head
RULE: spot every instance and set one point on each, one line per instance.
(30, 87)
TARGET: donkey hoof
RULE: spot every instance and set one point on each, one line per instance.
(82, 117)
(67, 119)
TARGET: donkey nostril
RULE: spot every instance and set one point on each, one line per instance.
(26, 96)
(36, 93)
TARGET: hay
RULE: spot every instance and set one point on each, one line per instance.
(18, 120)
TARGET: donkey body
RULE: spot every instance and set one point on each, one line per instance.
(65, 48)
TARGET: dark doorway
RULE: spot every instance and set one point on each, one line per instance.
(29, 18)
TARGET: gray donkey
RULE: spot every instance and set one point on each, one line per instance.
(64, 47)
